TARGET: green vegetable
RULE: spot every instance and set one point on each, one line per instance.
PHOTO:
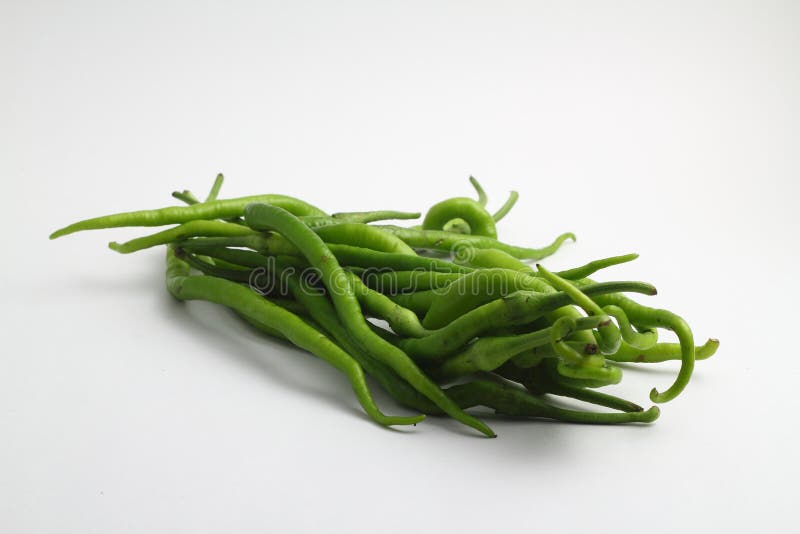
(439, 335)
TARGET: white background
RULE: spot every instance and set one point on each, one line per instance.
(668, 130)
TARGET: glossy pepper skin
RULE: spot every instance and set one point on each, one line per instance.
(509, 333)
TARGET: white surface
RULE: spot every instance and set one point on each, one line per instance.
(671, 131)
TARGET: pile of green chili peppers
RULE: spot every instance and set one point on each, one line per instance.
(443, 315)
